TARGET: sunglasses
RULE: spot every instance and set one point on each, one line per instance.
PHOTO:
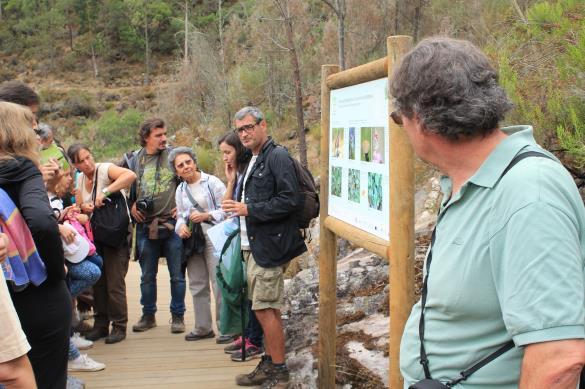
(396, 117)
(246, 127)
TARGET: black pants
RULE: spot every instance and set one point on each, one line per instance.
(254, 329)
(45, 316)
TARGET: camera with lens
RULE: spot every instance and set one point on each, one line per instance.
(145, 205)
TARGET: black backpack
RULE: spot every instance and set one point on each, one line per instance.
(309, 207)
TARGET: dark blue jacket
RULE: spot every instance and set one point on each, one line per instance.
(272, 198)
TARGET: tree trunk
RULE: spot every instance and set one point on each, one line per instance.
(186, 58)
(297, 84)
(94, 62)
(396, 13)
(224, 81)
(341, 32)
(417, 20)
(146, 52)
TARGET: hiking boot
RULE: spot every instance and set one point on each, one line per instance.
(192, 336)
(234, 346)
(79, 342)
(146, 322)
(225, 339)
(279, 378)
(84, 363)
(252, 351)
(177, 324)
(96, 333)
(258, 376)
(118, 334)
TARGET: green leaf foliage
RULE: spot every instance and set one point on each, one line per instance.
(112, 134)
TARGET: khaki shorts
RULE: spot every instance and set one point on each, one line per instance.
(265, 285)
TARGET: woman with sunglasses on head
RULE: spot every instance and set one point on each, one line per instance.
(96, 182)
(198, 199)
(44, 308)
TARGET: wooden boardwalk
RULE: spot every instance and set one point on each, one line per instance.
(157, 358)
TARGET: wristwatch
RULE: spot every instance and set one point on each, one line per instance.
(106, 192)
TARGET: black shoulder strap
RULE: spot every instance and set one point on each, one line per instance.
(190, 196)
(421, 324)
(95, 181)
(520, 157)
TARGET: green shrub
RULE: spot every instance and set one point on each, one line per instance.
(112, 134)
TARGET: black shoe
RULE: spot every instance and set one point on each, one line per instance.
(177, 324)
(191, 336)
(118, 334)
(146, 322)
(96, 333)
(225, 339)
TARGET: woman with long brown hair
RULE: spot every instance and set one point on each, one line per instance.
(44, 310)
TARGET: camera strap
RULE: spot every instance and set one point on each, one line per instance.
(421, 324)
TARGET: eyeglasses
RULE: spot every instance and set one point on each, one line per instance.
(246, 127)
(396, 117)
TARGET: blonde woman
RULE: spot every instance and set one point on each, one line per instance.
(44, 310)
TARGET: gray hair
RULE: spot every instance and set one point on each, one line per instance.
(174, 153)
(253, 111)
(452, 88)
(45, 131)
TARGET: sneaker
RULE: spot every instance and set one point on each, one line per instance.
(177, 324)
(235, 346)
(279, 378)
(258, 376)
(96, 333)
(225, 339)
(118, 334)
(74, 383)
(79, 342)
(146, 322)
(252, 352)
(192, 336)
(84, 363)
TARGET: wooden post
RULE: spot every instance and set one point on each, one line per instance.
(327, 252)
(401, 251)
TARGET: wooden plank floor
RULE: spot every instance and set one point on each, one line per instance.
(157, 358)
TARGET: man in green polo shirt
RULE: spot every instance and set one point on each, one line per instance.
(508, 257)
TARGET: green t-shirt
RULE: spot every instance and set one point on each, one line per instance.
(508, 263)
(156, 181)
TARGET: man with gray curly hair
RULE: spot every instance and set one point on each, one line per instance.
(504, 281)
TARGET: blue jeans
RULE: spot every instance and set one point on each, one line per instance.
(85, 274)
(149, 251)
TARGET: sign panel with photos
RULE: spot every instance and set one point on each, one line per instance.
(359, 157)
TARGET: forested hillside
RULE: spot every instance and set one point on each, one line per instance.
(102, 66)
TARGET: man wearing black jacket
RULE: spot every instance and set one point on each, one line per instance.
(270, 238)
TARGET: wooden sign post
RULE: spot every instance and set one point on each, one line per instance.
(399, 250)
